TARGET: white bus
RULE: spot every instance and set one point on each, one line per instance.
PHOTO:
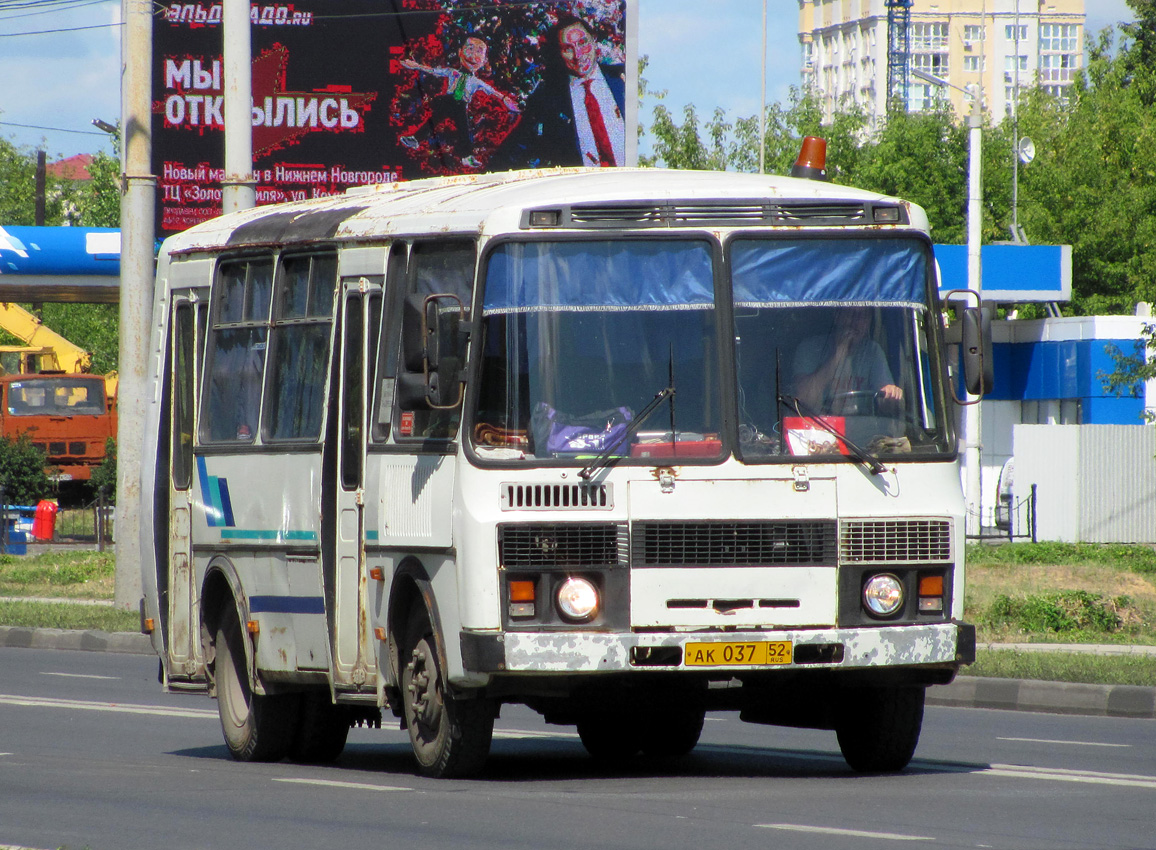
(556, 439)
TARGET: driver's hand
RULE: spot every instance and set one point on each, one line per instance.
(891, 394)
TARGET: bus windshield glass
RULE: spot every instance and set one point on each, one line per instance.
(833, 338)
(579, 337)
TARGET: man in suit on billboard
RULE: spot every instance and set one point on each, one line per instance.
(576, 115)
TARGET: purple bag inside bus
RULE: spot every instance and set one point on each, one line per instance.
(558, 433)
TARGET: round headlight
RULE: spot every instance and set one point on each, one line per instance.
(578, 599)
(883, 595)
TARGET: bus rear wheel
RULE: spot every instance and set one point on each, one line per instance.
(256, 727)
(609, 737)
(672, 733)
(878, 728)
(450, 736)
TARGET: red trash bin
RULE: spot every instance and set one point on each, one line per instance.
(44, 523)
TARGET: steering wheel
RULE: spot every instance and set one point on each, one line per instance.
(856, 403)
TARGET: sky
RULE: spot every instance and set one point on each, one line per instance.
(705, 52)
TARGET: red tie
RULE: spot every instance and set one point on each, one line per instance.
(598, 127)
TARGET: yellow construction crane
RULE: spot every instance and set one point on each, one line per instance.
(44, 350)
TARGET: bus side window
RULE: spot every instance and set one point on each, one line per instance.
(435, 268)
(302, 323)
(236, 350)
(387, 342)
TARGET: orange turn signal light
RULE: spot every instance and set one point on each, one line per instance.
(931, 586)
(379, 633)
(377, 574)
(253, 626)
(521, 591)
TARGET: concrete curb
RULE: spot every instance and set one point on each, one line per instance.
(1050, 697)
(90, 641)
(965, 692)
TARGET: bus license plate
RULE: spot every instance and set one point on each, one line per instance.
(737, 654)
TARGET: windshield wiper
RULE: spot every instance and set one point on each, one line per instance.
(633, 426)
(870, 461)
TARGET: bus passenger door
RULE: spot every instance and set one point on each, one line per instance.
(354, 660)
(180, 613)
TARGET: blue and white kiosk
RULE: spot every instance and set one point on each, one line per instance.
(1048, 372)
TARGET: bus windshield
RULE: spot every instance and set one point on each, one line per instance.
(578, 337)
(833, 339)
(833, 346)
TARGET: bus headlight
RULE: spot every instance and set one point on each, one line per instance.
(883, 595)
(578, 599)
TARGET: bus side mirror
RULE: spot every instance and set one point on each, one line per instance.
(978, 369)
(433, 348)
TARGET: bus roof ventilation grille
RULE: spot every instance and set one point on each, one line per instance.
(557, 497)
(700, 214)
(899, 541)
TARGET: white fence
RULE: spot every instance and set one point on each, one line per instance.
(1094, 483)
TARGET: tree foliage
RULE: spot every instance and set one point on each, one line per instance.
(22, 472)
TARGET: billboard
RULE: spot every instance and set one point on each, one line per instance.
(351, 92)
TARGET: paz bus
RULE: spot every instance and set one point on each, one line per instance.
(425, 449)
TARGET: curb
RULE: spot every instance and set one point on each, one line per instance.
(89, 641)
(1129, 701)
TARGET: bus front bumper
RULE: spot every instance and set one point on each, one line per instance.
(945, 644)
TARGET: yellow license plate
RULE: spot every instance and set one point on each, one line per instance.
(733, 654)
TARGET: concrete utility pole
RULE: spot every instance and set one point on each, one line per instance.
(138, 233)
(973, 425)
(238, 189)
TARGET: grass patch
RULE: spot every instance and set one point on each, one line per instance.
(62, 615)
(1044, 592)
(68, 575)
(1065, 667)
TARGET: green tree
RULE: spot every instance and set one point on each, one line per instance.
(22, 472)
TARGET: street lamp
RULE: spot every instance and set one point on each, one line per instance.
(972, 421)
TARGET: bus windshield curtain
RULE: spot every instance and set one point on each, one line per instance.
(601, 276)
(792, 272)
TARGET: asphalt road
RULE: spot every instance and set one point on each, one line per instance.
(93, 755)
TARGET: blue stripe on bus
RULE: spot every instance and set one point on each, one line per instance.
(286, 605)
(226, 502)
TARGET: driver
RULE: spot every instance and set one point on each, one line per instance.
(844, 360)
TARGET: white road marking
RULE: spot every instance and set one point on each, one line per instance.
(123, 708)
(332, 783)
(79, 676)
(532, 733)
(849, 833)
(1063, 743)
(1057, 774)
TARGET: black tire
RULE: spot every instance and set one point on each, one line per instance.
(321, 731)
(450, 736)
(878, 728)
(256, 728)
(610, 738)
(672, 733)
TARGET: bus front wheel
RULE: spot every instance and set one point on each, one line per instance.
(256, 727)
(878, 728)
(450, 736)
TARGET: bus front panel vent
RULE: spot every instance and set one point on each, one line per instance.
(577, 496)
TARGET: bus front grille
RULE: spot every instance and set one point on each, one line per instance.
(895, 541)
(734, 543)
(561, 545)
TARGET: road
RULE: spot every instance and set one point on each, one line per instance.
(93, 755)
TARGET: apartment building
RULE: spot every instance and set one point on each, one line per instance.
(862, 51)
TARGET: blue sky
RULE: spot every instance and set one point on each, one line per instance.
(705, 52)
